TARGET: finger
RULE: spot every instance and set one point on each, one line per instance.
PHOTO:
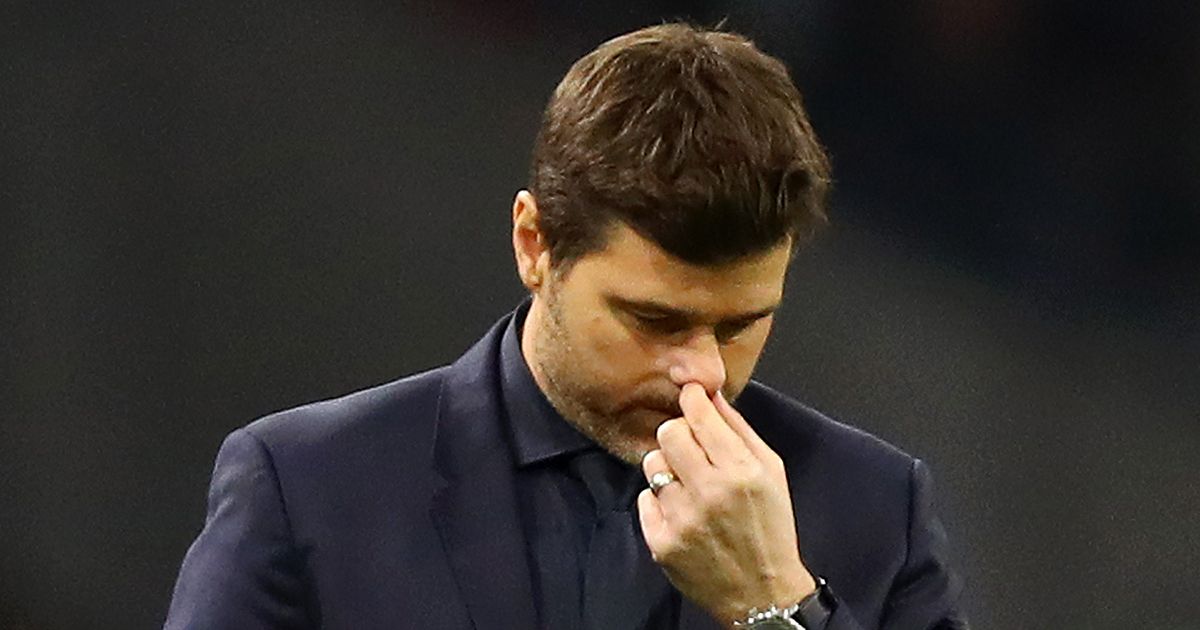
(655, 463)
(722, 445)
(737, 422)
(654, 525)
(681, 452)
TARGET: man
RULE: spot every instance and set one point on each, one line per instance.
(674, 175)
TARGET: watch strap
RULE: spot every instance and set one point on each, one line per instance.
(815, 610)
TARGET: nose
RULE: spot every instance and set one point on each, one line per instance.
(698, 361)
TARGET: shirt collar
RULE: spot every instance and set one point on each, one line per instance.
(537, 431)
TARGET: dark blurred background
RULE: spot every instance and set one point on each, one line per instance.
(216, 210)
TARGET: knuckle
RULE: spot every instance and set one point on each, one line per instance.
(652, 461)
(667, 430)
(755, 470)
(667, 549)
(709, 495)
(688, 530)
(720, 503)
(746, 483)
(740, 478)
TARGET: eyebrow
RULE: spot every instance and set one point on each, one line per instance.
(658, 308)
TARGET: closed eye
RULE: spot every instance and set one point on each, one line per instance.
(730, 331)
(660, 324)
(662, 321)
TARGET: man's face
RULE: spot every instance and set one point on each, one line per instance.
(613, 340)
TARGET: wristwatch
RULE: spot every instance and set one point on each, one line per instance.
(816, 611)
(773, 618)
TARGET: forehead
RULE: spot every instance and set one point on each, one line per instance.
(634, 268)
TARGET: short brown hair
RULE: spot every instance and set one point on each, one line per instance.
(693, 138)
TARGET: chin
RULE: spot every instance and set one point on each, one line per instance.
(629, 435)
(637, 436)
(631, 450)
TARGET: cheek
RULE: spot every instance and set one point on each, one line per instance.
(621, 359)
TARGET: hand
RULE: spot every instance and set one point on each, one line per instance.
(724, 532)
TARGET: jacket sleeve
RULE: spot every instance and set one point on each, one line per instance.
(925, 593)
(243, 571)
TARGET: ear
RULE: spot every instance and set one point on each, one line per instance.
(529, 244)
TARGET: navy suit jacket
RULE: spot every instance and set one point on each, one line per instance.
(395, 507)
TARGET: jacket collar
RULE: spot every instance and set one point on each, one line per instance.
(537, 432)
(475, 509)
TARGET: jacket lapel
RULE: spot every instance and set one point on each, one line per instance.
(475, 510)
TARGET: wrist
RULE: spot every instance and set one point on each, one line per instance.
(810, 613)
(785, 592)
(797, 590)
(773, 618)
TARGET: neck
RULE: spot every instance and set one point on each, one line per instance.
(529, 333)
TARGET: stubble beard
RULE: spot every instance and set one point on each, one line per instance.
(579, 404)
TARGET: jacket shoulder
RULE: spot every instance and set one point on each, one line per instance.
(402, 410)
(796, 430)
